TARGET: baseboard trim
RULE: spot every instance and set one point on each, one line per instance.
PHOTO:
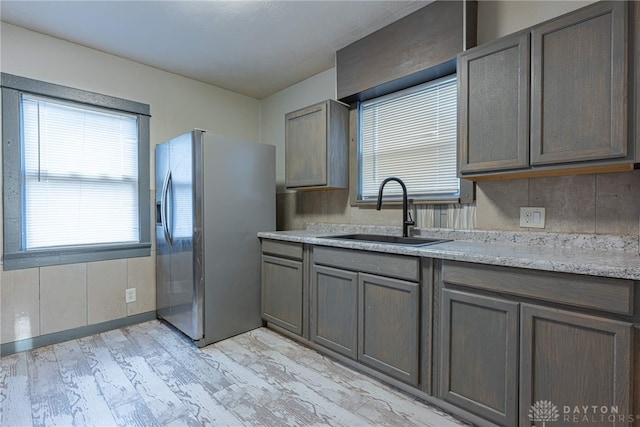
(72, 334)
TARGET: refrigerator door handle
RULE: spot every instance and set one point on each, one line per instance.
(164, 207)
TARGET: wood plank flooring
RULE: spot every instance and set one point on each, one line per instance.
(151, 375)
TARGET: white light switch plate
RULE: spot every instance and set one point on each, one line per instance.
(130, 295)
(532, 217)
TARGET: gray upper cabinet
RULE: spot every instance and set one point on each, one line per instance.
(316, 146)
(493, 92)
(550, 100)
(579, 86)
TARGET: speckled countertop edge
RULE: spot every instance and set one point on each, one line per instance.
(611, 256)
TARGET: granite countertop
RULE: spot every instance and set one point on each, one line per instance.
(607, 256)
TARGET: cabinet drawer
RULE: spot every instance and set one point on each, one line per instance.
(283, 249)
(391, 265)
(598, 293)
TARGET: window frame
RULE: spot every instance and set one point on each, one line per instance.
(355, 154)
(14, 255)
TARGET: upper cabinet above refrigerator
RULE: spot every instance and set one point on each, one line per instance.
(316, 147)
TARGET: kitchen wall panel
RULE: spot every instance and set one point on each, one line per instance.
(141, 274)
(106, 285)
(618, 203)
(19, 308)
(498, 204)
(63, 297)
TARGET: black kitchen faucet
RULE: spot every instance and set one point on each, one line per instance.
(406, 216)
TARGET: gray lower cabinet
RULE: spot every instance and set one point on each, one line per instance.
(366, 305)
(575, 360)
(388, 318)
(283, 285)
(479, 358)
(334, 309)
(505, 346)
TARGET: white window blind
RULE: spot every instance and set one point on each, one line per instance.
(411, 135)
(81, 175)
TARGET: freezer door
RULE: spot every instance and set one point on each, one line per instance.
(179, 301)
(186, 307)
(163, 252)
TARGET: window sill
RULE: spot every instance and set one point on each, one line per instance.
(398, 202)
(42, 258)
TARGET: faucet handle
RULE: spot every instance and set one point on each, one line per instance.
(410, 221)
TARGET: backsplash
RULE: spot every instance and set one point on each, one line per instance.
(603, 204)
(593, 204)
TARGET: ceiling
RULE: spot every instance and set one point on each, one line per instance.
(254, 48)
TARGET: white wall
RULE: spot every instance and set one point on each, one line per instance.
(43, 300)
(499, 18)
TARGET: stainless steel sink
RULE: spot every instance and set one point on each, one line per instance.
(391, 240)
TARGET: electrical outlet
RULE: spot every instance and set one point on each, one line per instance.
(532, 217)
(130, 295)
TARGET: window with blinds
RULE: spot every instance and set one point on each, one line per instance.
(80, 175)
(412, 135)
(75, 175)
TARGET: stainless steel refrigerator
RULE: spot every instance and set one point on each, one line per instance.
(213, 194)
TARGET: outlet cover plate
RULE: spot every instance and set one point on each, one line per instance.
(532, 217)
(130, 295)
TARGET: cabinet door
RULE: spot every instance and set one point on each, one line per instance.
(579, 81)
(333, 309)
(574, 360)
(493, 98)
(306, 147)
(388, 326)
(282, 283)
(479, 355)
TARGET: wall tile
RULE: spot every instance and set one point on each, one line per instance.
(285, 210)
(498, 203)
(63, 297)
(618, 203)
(570, 202)
(20, 303)
(141, 274)
(310, 206)
(390, 215)
(338, 207)
(106, 285)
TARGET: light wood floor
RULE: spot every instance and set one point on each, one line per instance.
(149, 375)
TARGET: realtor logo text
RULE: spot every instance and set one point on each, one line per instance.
(595, 414)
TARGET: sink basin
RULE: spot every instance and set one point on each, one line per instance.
(391, 240)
